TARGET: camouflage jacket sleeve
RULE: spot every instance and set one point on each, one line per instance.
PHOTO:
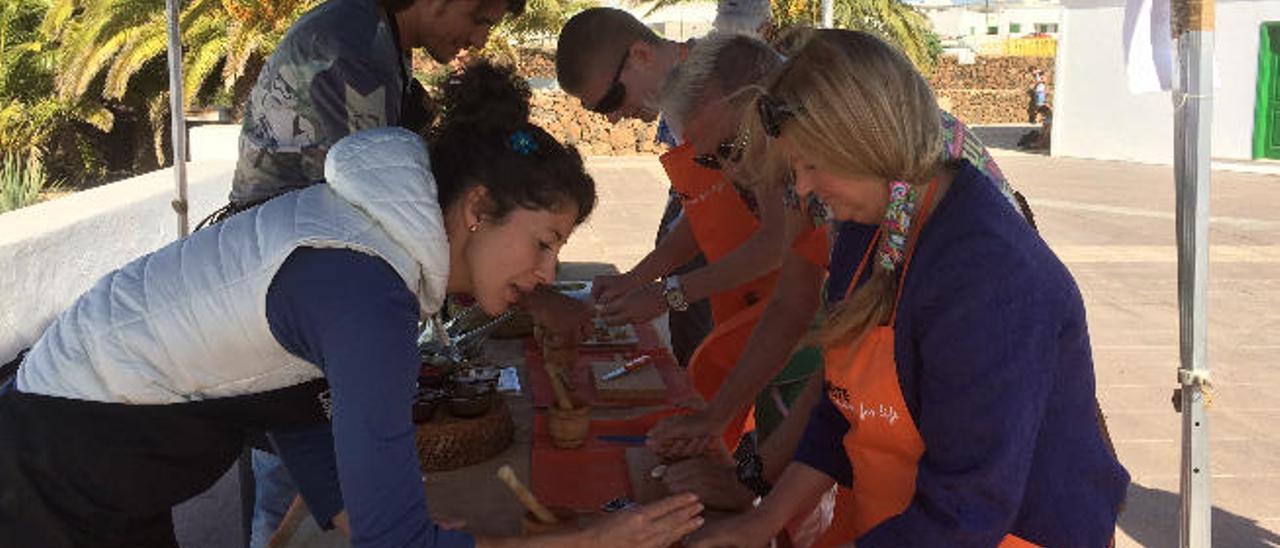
(323, 83)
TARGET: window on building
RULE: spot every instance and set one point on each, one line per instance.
(1015, 28)
(1047, 28)
(993, 30)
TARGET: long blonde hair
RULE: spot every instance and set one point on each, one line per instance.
(860, 110)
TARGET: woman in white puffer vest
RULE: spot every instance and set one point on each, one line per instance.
(140, 395)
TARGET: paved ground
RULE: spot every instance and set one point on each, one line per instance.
(1113, 224)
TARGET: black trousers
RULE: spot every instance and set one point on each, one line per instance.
(78, 473)
(690, 327)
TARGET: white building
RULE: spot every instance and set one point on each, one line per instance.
(977, 24)
(1096, 115)
(679, 22)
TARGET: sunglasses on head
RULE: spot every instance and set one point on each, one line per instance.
(617, 93)
(728, 151)
(773, 112)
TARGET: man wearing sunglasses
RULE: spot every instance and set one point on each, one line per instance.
(616, 66)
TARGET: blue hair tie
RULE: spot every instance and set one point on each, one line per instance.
(522, 142)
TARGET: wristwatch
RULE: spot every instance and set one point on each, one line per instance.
(674, 293)
(750, 468)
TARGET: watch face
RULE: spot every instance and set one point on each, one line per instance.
(673, 300)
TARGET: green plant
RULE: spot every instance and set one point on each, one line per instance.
(115, 39)
(21, 182)
(542, 19)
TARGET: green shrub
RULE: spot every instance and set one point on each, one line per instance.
(21, 181)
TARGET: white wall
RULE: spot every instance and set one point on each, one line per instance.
(52, 252)
(1095, 115)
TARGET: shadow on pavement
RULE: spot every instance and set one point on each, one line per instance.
(1151, 518)
(1005, 136)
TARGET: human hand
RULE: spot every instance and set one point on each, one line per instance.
(713, 478)
(609, 287)
(655, 525)
(639, 306)
(684, 436)
(561, 317)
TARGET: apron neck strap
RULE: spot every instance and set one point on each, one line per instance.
(923, 215)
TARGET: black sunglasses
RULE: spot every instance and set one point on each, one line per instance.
(617, 93)
(773, 113)
(728, 151)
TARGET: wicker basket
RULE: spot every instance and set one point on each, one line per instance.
(449, 443)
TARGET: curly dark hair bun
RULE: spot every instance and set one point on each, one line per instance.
(485, 139)
(485, 96)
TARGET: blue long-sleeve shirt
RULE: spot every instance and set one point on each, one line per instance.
(351, 315)
(994, 363)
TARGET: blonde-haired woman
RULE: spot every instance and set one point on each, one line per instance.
(959, 405)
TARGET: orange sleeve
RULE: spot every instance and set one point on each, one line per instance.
(812, 245)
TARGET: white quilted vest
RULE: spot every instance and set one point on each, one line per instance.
(188, 322)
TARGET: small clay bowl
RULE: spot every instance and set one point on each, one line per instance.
(424, 410)
(566, 519)
(569, 427)
(426, 403)
(432, 376)
(469, 401)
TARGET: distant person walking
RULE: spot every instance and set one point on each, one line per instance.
(1037, 95)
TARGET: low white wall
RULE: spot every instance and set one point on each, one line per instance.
(1095, 115)
(52, 252)
(214, 142)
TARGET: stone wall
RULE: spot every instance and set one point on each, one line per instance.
(565, 119)
(993, 90)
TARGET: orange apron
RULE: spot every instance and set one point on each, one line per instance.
(883, 445)
(721, 222)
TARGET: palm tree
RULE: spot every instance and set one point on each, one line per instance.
(29, 112)
(104, 46)
(121, 37)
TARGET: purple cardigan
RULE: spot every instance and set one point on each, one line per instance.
(993, 357)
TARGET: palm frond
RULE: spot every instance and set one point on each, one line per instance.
(200, 65)
(241, 46)
(57, 18)
(144, 45)
(96, 115)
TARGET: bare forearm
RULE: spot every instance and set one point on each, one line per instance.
(785, 320)
(677, 248)
(797, 490)
(778, 448)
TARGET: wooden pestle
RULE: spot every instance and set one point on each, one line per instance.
(557, 384)
(530, 502)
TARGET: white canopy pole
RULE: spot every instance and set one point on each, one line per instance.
(1193, 24)
(828, 14)
(179, 123)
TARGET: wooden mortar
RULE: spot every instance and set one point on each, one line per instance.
(569, 427)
